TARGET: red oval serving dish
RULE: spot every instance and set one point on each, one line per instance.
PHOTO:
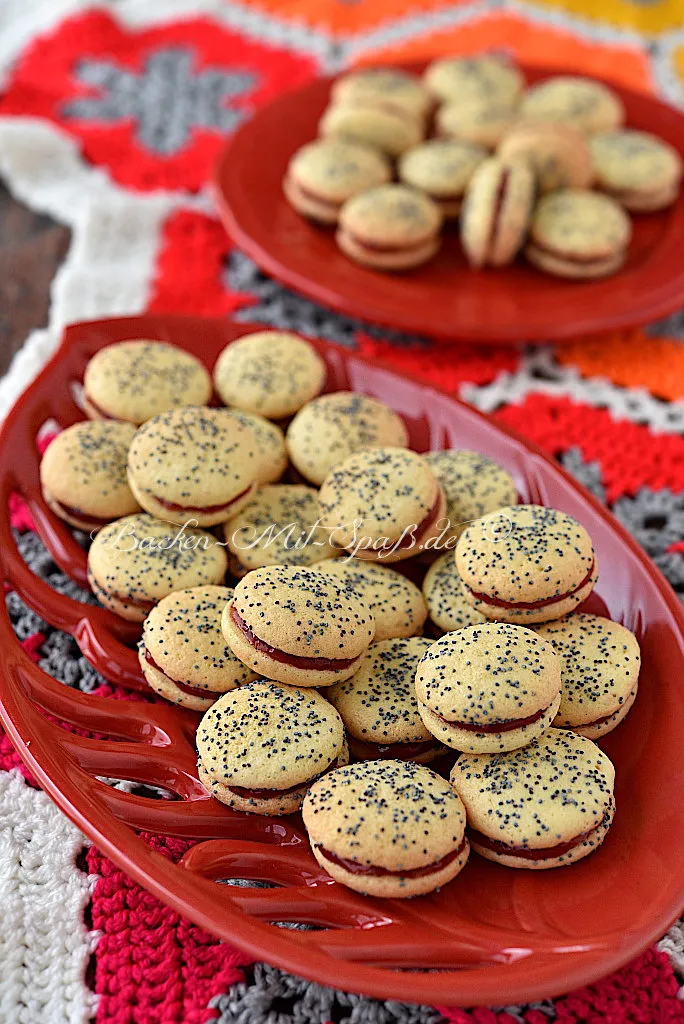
(493, 936)
(445, 298)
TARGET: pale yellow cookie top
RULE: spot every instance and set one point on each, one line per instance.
(580, 102)
(557, 787)
(271, 373)
(461, 78)
(84, 467)
(441, 167)
(135, 380)
(335, 169)
(629, 159)
(580, 223)
(391, 215)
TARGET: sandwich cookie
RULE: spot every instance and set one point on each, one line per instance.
(600, 663)
(330, 428)
(526, 564)
(322, 175)
(488, 687)
(83, 474)
(135, 380)
(473, 485)
(448, 607)
(269, 446)
(182, 653)
(387, 828)
(297, 626)
(639, 170)
(136, 561)
(558, 155)
(387, 88)
(396, 603)
(458, 79)
(581, 103)
(379, 707)
(549, 804)
(578, 234)
(270, 373)
(391, 227)
(496, 212)
(260, 747)
(441, 168)
(279, 526)
(391, 130)
(481, 120)
(193, 465)
(382, 504)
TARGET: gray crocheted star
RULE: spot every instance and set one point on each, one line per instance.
(166, 100)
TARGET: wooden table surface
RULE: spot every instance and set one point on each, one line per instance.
(32, 247)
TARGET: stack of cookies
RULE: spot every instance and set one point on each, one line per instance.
(469, 142)
(263, 546)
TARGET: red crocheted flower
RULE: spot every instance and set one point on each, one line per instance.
(153, 106)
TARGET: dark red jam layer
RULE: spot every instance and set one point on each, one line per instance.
(134, 602)
(497, 210)
(270, 794)
(514, 723)
(322, 664)
(496, 846)
(192, 691)
(424, 525)
(307, 193)
(378, 247)
(500, 603)
(205, 509)
(103, 412)
(394, 751)
(94, 522)
(354, 868)
(576, 258)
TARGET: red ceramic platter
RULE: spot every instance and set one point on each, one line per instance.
(494, 935)
(443, 298)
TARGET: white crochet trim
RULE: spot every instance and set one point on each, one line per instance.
(44, 945)
(624, 403)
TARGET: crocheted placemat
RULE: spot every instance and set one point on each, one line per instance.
(110, 119)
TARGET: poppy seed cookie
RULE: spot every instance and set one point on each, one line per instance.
(457, 79)
(448, 607)
(390, 130)
(83, 474)
(558, 155)
(488, 687)
(135, 380)
(269, 443)
(388, 88)
(261, 746)
(396, 603)
(329, 428)
(600, 663)
(279, 526)
(382, 504)
(391, 227)
(136, 561)
(549, 804)
(297, 626)
(526, 564)
(496, 212)
(581, 103)
(270, 373)
(386, 828)
(473, 485)
(442, 169)
(183, 654)
(379, 706)
(578, 234)
(639, 170)
(193, 465)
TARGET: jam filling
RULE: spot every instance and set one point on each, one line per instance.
(497, 846)
(497, 209)
(322, 664)
(192, 691)
(500, 603)
(514, 723)
(76, 513)
(583, 261)
(378, 247)
(368, 751)
(209, 510)
(354, 868)
(103, 412)
(308, 193)
(269, 794)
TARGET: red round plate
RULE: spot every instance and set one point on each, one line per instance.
(494, 935)
(445, 298)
